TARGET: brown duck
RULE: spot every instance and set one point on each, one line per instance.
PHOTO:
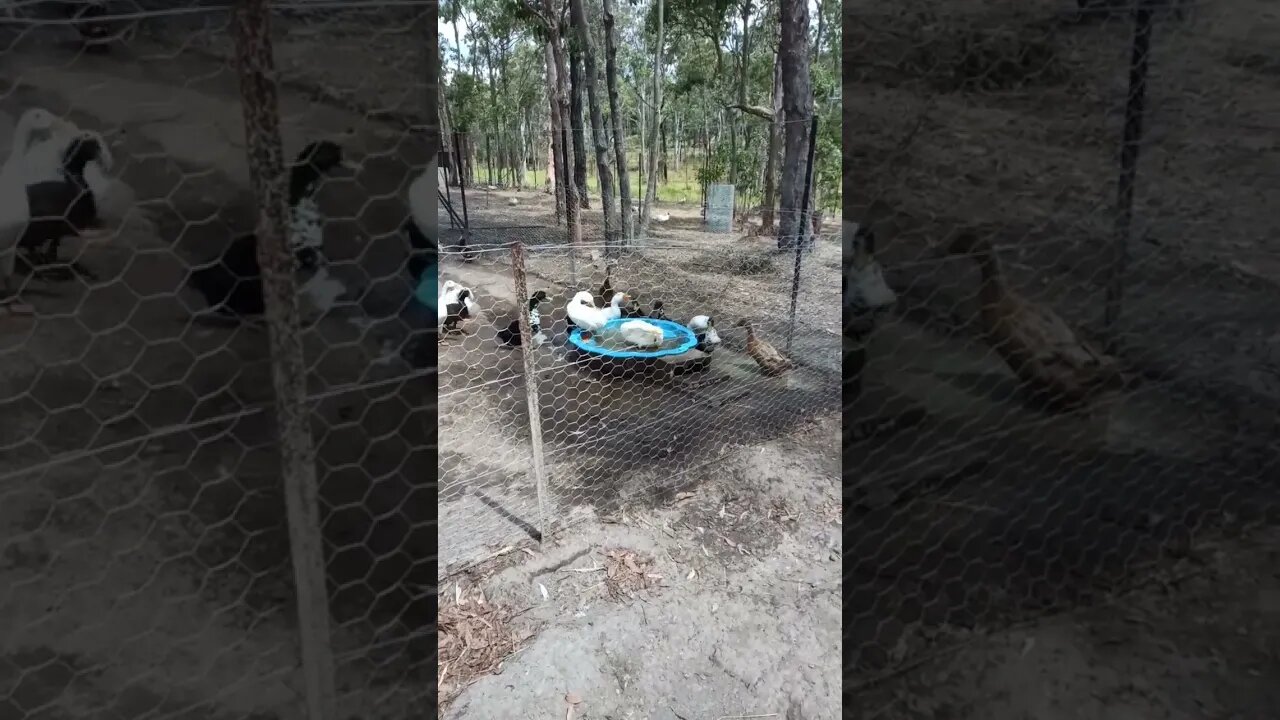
(606, 289)
(766, 356)
(1037, 344)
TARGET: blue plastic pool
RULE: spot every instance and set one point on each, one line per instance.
(427, 288)
(670, 330)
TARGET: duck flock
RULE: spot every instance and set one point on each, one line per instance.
(56, 174)
(51, 188)
(621, 318)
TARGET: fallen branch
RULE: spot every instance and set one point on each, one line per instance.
(759, 111)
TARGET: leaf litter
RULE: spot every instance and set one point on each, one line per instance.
(475, 636)
(628, 572)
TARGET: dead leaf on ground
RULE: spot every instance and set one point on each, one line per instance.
(473, 640)
(627, 572)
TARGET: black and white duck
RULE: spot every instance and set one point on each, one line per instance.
(454, 310)
(704, 331)
(510, 335)
(66, 207)
(232, 285)
(15, 208)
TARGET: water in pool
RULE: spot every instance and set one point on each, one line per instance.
(612, 340)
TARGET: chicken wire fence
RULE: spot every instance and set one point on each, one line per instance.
(175, 542)
(532, 445)
(995, 152)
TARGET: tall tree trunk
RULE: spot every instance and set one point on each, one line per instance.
(550, 182)
(519, 151)
(775, 146)
(579, 135)
(745, 60)
(589, 73)
(651, 189)
(662, 131)
(446, 135)
(571, 209)
(555, 171)
(817, 37)
(797, 100)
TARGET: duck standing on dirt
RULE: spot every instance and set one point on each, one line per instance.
(1046, 354)
(232, 286)
(510, 335)
(606, 288)
(15, 208)
(455, 311)
(66, 207)
(771, 361)
(658, 313)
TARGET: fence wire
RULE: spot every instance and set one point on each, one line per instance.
(1009, 453)
(146, 543)
(617, 434)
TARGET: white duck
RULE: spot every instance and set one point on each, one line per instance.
(641, 334)
(613, 310)
(449, 292)
(15, 211)
(661, 217)
(582, 311)
(469, 300)
(704, 329)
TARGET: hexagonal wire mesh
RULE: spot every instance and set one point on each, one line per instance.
(615, 432)
(146, 541)
(969, 502)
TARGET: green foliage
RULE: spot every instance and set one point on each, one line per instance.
(700, 78)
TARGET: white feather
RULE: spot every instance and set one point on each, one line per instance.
(641, 334)
(704, 326)
(448, 293)
(583, 312)
(306, 225)
(613, 310)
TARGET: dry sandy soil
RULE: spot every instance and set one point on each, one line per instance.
(731, 607)
(1197, 641)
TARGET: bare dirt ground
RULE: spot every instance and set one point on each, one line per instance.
(146, 569)
(726, 602)
(982, 512)
(1197, 641)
